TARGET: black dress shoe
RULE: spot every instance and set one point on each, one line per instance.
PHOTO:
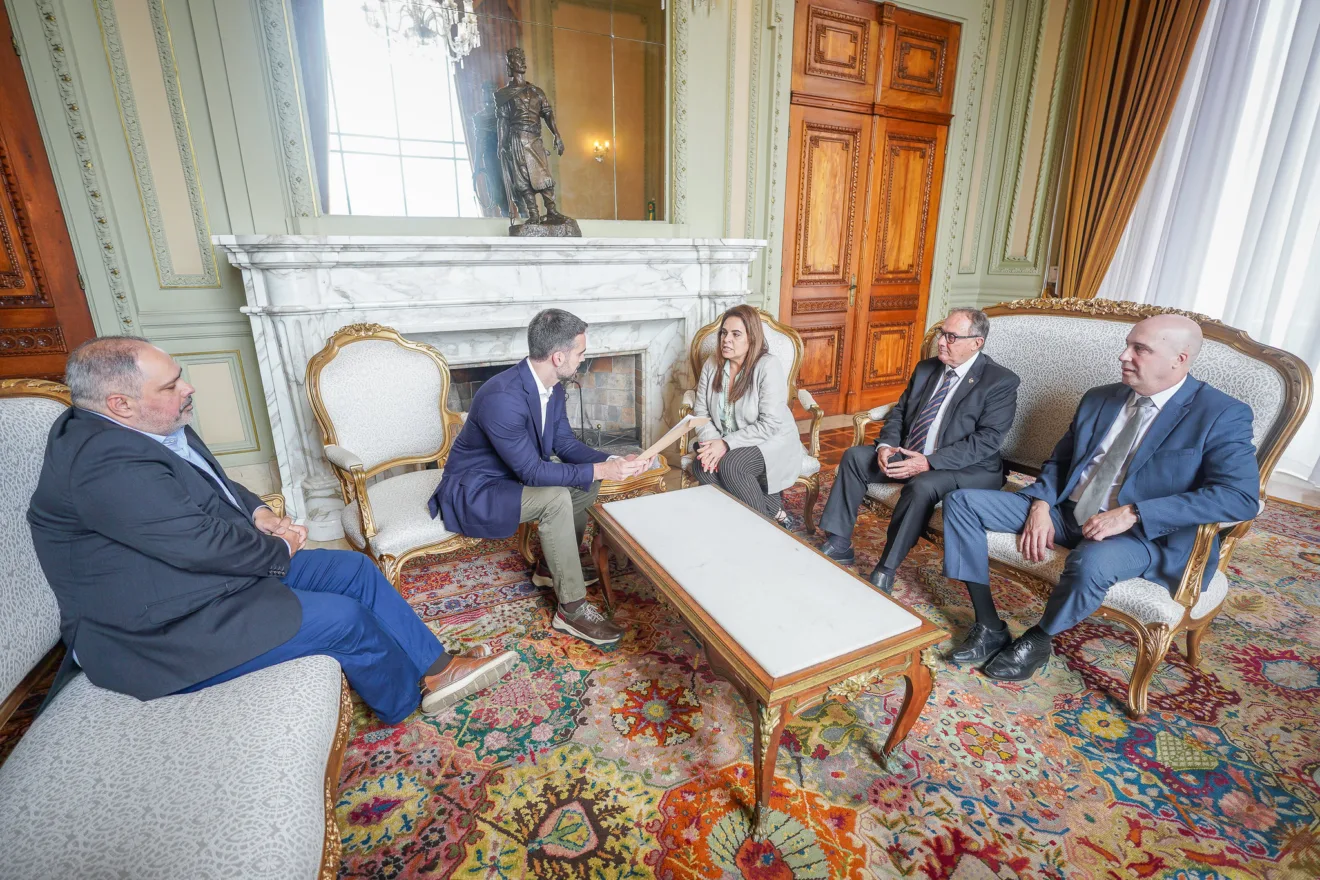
(842, 555)
(981, 644)
(883, 580)
(1021, 660)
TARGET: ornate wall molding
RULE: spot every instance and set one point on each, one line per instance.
(754, 105)
(988, 145)
(777, 183)
(730, 114)
(138, 150)
(277, 34)
(57, 38)
(1011, 193)
(938, 303)
(678, 75)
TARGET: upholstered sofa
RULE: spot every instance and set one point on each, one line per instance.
(1062, 347)
(237, 780)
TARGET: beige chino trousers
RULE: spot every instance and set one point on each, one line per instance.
(560, 513)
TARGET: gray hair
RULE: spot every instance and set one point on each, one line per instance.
(980, 321)
(103, 366)
(552, 330)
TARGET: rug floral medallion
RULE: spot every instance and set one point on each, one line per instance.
(636, 762)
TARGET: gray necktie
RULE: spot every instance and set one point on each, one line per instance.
(1097, 491)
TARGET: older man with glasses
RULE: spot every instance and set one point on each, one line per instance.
(943, 434)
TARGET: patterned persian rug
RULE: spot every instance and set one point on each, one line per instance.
(635, 763)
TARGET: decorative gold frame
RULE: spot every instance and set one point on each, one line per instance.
(353, 480)
(802, 395)
(331, 847)
(1154, 640)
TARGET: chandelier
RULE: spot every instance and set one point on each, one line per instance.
(428, 22)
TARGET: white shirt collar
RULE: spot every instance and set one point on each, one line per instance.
(1159, 398)
(965, 367)
(541, 389)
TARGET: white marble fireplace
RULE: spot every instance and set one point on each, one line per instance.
(471, 298)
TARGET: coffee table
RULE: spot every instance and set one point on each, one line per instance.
(780, 621)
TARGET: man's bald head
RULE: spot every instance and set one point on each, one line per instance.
(1160, 352)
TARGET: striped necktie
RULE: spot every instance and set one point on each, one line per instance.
(916, 440)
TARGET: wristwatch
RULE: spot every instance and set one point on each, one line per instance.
(1136, 513)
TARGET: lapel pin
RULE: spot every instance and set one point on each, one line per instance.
(971, 381)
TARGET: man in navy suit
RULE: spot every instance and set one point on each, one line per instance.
(171, 577)
(1141, 466)
(516, 460)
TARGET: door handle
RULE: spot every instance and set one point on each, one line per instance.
(852, 291)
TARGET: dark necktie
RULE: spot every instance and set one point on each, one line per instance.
(916, 440)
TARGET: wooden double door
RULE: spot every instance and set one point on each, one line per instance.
(872, 91)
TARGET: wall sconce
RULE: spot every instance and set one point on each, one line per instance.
(599, 149)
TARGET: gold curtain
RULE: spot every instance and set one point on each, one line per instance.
(1135, 55)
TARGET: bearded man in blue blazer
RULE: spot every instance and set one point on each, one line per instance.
(516, 460)
(1141, 466)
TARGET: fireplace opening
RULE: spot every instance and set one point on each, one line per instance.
(603, 400)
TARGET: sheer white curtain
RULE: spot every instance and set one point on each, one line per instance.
(1228, 223)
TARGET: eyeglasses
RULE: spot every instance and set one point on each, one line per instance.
(951, 338)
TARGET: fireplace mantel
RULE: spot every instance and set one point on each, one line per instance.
(471, 298)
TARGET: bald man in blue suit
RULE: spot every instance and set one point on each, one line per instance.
(1141, 466)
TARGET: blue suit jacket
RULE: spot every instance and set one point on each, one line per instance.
(503, 447)
(1195, 465)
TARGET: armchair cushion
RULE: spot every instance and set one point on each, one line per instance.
(1140, 599)
(225, 782)
(403, 521)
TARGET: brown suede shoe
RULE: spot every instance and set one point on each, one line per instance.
(541, 576)
(587, 624)
(465, 675)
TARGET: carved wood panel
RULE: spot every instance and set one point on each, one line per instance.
(43, 312)
(838, 44)
(811, 306)
(827, 203)
(836, 50)
(888, 347)
(822, 358)
(922, 52)
(908, 170)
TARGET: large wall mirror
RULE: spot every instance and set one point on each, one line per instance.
(399, 97)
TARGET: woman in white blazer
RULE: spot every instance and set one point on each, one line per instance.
(751, 446)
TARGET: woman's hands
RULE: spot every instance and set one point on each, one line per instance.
(709, 453)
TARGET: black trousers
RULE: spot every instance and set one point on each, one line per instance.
(916, 502)
(741, 472)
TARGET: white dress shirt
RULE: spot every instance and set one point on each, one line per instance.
(960, 372)
(1147, 415)
(544, 392)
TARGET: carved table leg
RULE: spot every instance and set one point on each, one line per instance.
(919, 685)
(767, 726)
(600, 555)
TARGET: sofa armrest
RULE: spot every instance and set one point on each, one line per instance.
(862, 419)
(1189, 589)
(808, 403)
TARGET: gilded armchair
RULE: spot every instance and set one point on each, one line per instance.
(785, 344)
(380, 402)
(1062, 347)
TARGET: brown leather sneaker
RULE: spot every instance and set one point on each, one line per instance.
(541, 576)
(587, 624)
(465, 675)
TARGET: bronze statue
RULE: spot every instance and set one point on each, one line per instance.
(520, 107)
